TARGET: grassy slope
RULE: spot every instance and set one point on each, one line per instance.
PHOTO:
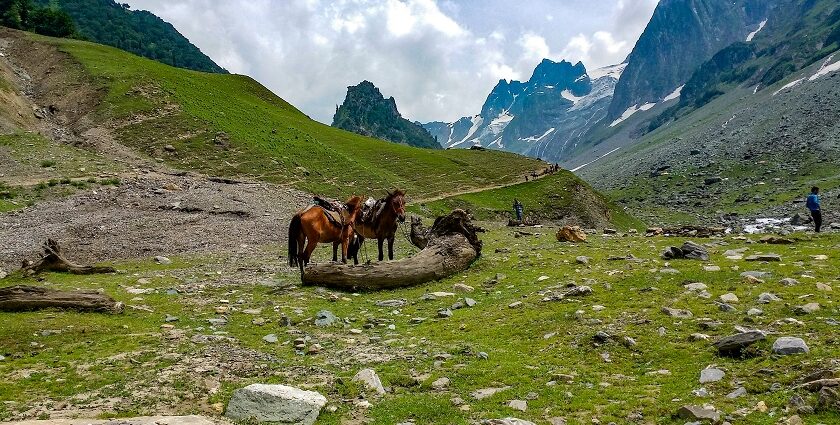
(551, 197)
(527, 347)
(270, 139)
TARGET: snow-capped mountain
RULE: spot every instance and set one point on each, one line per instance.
(543, 117)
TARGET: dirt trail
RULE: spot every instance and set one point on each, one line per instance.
(476, 190)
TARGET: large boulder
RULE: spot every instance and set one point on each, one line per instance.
(733, 344)
(787, 345)
(571, 234)
(371, 380)
(699, 413)
(278, 404)
(694, 251)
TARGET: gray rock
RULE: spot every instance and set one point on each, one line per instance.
(3, 274)
(733, 344)
(711, 375)
(391, 303)
(506, 421)
(470, 302)
(325, 318)
(766, 298)
(726, 307)
(602, 337)
(699, 413)
(763, 257)
(789, 281)
(740, 391)
(487, 392)
(270, 338)
(217, 321)
(520, 405)
(163, 260)
(695, 286)
(678, 313)
(170, 318)
(694, 251)
(371, 380)
(728, 298)
(444, 313)
(789, 345)
(807, 308)
(756, 274)
(581, 259)
(276, 404)
(755, 312)
(441, 383)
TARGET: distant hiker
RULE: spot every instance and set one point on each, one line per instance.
(518, 209)
(813, 204)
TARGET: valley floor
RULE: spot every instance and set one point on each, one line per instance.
(202, 326)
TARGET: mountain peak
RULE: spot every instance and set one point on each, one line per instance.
(367, 112)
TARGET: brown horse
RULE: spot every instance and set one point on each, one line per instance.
(381, 222)
(311, 227)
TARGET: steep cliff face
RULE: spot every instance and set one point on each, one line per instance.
(365, 111)
(681, 35)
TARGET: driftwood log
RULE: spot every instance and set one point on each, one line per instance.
(448, 247)
(54, 261)
(27, 298)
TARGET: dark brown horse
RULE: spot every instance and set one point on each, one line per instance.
(381, 222)
(311, 227)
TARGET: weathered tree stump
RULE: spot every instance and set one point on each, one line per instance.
(27, 298)
(54, 261)
(448, 247)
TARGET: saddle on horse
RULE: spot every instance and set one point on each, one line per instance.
(370, 209)
(335, 211)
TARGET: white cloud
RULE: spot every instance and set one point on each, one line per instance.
(439, 59)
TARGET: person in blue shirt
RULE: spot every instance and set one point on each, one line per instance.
(813, 204)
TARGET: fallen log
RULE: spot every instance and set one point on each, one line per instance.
(54, 261)
(28, 298)
(448, 247)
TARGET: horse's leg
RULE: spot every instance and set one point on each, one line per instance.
(380, 241)
(391, 248)
(310, 246)
(346, 236)
(335, 252)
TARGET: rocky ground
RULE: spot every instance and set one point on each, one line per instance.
(539, 330)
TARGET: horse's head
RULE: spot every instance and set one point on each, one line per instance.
(354, 206)
(396, 201)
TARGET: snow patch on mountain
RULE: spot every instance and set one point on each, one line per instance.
(630, 111)
(753, 34)
(826, 69)
(613, 71)
(537, 139)
(675, 94)
(568, 95)
(789, 85)
(476, 123)
(499, 123)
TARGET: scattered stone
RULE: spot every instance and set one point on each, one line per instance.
(754, 312)
(766, 298)
(740, 391)
(806, 308)
(775, 240)
(823, 287)
(678, 313)
(669, 270)
(441, 383)
(711, 375)
(506, 421)
(728, 298)
(628, 342)
(764, 257)
(734, 344)
(711, 268)
(515, 304)
(520, 405)
(571, 234)
(581, 259)
(163, 260)
(695, 286)
(444, 313)
(313, 349)
(277, 404)
(470, 302)
(391, 303)
(170, 318)
(726, 307)
(601, 337)
(756, 274)
(699, 337)
(460, 287)
(169, 148)
(789, 281)
(371, 380)
(820, 257)
(270, 338)
(487, 392)
(789, 345)
(440, 294)
(699, 413)
(325, 318)
(217, 321)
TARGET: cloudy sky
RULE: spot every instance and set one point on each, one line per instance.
(438, 58)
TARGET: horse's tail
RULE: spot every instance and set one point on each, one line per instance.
(295, 228)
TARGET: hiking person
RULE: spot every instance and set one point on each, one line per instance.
(813, 204)
(517, 209)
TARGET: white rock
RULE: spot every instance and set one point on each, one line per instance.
(275, 403)
(163, 260)
(728, 298)
(506, 421)
(371, 380)
(520, 405)
(789, 345)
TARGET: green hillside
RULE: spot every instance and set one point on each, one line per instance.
(137, 31)
(231, 125)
